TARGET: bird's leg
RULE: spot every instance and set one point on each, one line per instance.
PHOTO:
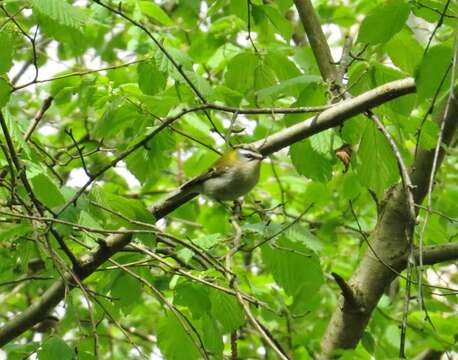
(237, 209)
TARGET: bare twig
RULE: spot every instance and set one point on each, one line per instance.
(347, 292)
(182, 319)
(282, 230)
(437, 27)
(265, 335)
(46, 104)
(77, 74)
(169, 57)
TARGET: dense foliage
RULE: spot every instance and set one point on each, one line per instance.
(84, 83)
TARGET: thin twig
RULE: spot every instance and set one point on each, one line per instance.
(249, 26)
(438, 25)
(297, 219)
(46, 104)
(187, 326)
(451, 98)
(169, 57)
(265, 335)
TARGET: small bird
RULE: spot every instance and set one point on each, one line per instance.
(234, 174)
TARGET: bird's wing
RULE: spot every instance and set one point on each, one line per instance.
(215, 170)
(209, 174)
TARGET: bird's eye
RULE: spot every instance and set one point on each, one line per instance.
(249, 155)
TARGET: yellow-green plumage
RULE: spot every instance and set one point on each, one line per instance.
(234, 174)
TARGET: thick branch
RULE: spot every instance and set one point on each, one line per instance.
(390, 244)
(317, 40)
(439, 253)
(327, 119)
(335, 115)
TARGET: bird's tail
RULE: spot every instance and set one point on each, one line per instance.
(173, 201)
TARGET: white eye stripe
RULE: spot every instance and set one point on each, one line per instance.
(250, 154)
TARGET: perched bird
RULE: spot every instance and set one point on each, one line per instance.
(234, 174)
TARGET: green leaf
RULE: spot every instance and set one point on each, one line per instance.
(17, 230)
(313, 94)
(226, 310)
(283, 67)
(5, 92)
(322, 142)
(289, 87)
(300, 234)
(240, 72)
(55, 348)
(239, 8)
(263, 77)
(130, 208)
(384, 21)
(126, 290)
(200, 83)
(147, 164)
(432, 11)
(405, 51)
(402, 105)
(428, 135)
(279, 22)
(206, 242)
(85, 219)
(116, 118)
(212, 338)
(350, 187)
(195, 297)
(309, 162)
(61, 12)
(368, 342)
(294, 267)
(353, 129)
(431, 71)
(377, 167)
(165, 65)
(155, 12)
(47, 191)
(6, 39)
(317, 193)
(174, 341)
(150, 79)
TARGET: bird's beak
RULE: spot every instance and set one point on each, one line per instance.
(259, 157)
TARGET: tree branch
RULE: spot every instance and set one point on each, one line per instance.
(327, 119)
(318, 42)
(335, 115)
(389, 242)
(56, 292)
(438, 253)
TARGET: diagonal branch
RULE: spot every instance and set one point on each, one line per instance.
(318, 42)
(327, 119)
